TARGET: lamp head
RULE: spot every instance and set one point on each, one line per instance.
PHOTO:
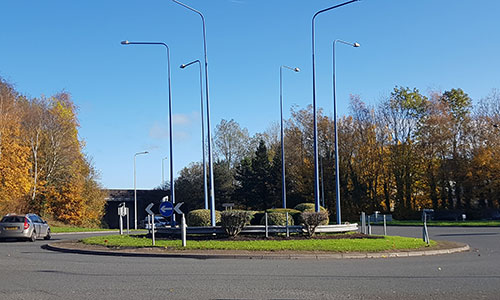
(182, 66)
(356, 45)
(125, 42)
(296, 70)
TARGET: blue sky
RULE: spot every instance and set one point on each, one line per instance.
(121, 91)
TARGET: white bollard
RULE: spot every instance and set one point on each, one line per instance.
(183, 230)
(385, 226)
(267, 230)
(287, 230)
(153, 228)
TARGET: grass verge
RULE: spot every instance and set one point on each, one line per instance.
(445, 223)
(66, 229)
(331, 245)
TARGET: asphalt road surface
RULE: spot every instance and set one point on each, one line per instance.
(29, 272)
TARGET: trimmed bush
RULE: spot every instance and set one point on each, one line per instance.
(277, 218)
(292, 213)
(312, 220)
(310, 207)
(201, 217)
(233, 221)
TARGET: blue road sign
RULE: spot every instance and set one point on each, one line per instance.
(166, 209)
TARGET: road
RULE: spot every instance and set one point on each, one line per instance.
(29, 272)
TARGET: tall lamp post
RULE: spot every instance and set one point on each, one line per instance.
(283, 183)
(202, 131)
(172, 192)
(163, 171)
(135, 190)
(315, 123)
(337, 177)
(210, 160)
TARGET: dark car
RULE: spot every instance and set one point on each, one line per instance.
(29, 226)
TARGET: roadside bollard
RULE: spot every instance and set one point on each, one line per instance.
(385, 226)
(267, 231)
(287, 231)
(425, 232)
(183, 230)
(153, 229)
(369, 226)
(363, 222)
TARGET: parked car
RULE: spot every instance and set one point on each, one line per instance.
(159, 222)
(29, 226)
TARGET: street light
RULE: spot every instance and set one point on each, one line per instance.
(202, 131)
(337, 177)
(163, 172)
(283, 184)
(135, 190)
(315, 123)
(210, 160)
(172, 192)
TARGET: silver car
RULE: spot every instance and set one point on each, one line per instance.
(29, 226)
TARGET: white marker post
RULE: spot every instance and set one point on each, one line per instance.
(128, 220)
(183, 230)
(152, 214)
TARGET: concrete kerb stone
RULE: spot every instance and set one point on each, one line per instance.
(69, 247)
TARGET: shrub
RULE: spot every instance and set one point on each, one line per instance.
(277, 218)
(310, 207)
(293, 213)
(201, 217)
(312, 220)
(233, 221)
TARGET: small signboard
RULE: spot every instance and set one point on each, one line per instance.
(166, 209)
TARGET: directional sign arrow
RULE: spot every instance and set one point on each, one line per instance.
(166, 209)
(148, 209)
(177, 209)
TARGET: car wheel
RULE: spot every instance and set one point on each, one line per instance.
(48, 236)
(33, 236)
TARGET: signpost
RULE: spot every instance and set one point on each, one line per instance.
(152, 214)
(123, 211)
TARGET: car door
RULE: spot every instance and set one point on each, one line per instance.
(38, 226)
(44, 227)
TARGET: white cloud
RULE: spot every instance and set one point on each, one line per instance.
(158, 131)
(181, 120)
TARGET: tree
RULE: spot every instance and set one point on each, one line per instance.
(231, 142)
(402, 113)
(458, 104)
(14, 166)
(189, 187)
(254, 177)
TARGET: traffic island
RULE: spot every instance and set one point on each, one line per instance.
(322, 248)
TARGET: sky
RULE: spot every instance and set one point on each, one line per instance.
(122, 92)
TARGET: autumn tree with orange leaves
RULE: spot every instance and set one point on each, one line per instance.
(42, 167)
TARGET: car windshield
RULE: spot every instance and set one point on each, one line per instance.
(13, 219)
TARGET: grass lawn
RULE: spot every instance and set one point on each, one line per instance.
(65, 229)
(445, 223)
(333, 245)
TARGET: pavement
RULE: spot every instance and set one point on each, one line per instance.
(74, 246)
